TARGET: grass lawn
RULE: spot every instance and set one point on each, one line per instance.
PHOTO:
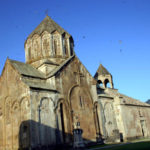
(133, 146)
(97, 146)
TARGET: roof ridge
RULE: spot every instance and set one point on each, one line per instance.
(134, 100)
(26, 69)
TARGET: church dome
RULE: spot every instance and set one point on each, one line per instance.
(48, 41)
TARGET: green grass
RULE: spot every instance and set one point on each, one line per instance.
(132, 146)
(96, 146)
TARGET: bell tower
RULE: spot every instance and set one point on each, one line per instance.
(48, 46)
(103, 77)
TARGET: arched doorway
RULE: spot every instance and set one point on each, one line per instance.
(62, 123)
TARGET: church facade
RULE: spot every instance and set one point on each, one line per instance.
(44, 99)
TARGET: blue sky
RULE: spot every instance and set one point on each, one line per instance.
(115, 33)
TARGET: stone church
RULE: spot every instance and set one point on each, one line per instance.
(43, 99)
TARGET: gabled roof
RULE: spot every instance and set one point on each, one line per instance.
(102, 71)
(57, 69)
(26, 69)
(39, 79)
(132, 101)
(48, 25)
(125, 100)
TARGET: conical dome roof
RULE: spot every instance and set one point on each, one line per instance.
(102, 71)
(48, 25)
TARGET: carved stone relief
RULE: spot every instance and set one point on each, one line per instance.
(8, 123)
(47, 120)
(46, 44)
(56, 43)
(16, 122)
(24, 109)
(8, 111)
(36, 46)
(110, 123)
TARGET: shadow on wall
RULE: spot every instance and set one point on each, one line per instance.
(36, 136)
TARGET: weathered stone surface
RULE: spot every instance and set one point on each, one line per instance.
(42, 100)
(131, 116)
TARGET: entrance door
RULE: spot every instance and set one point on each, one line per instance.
(62, 124)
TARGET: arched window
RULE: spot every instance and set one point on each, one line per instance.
(81, 100)
(71, 46)
(66, 47)
(63, 43)
(100, 83)
(55, 47)
(107, 83)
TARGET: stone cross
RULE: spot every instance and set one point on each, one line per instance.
(79, 75)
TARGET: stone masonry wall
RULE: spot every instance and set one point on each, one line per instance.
(136, 119)
(76, 85)
(14, 107)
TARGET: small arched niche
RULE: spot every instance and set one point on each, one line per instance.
(100, 83)
(56, 43)
(107, 83)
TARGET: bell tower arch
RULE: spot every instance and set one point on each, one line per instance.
(104, 78)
